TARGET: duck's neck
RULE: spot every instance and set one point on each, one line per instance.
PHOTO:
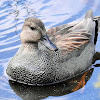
(31, 47)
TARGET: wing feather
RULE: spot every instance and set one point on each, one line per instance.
(68, 40)
(73, 40)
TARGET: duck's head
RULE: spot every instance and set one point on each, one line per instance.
(33, 31)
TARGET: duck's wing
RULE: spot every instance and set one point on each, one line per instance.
(61, 29)
(75, 35)
(73, 40)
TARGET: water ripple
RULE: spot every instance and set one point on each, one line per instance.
(51, 12)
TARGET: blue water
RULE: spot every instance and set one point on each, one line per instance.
(52, 13)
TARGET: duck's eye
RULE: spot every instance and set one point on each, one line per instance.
(32, 28)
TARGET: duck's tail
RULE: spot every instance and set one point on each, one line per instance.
(96, 19)
(89, 14)
(97, 27)
(96, 30)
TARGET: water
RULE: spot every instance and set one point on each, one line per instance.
(52, 13)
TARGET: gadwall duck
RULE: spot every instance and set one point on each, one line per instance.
(42, 62)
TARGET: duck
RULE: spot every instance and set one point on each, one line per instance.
(52, 56)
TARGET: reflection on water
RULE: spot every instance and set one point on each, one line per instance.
(40, 92)
(52, 13)
(97, 84)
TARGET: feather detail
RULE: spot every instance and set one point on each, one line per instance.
(72, 41)
(67, 39)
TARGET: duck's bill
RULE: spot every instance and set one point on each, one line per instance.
(46, 42)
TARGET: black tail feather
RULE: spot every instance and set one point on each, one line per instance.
(96, 31)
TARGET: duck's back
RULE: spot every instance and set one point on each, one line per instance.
(74, 36)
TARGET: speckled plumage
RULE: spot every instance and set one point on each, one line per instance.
(40, 66)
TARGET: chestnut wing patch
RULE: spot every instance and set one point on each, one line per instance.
(72, 40)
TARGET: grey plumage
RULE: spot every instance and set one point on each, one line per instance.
(40, 66)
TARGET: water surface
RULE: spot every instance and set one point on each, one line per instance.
(52, 13)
